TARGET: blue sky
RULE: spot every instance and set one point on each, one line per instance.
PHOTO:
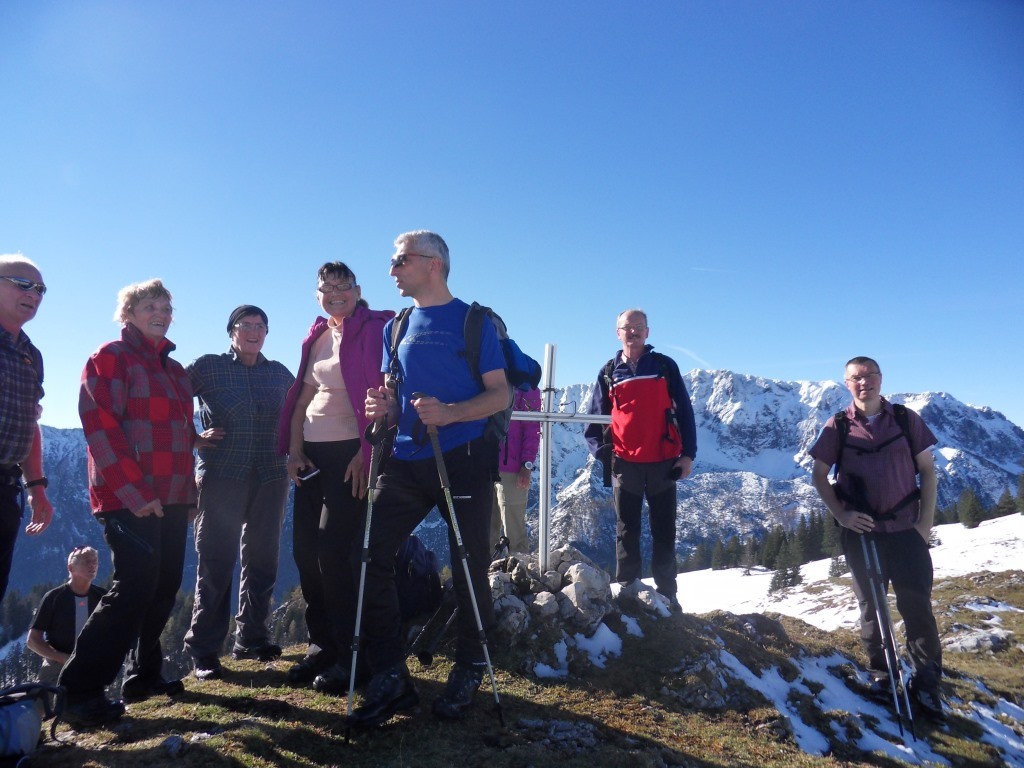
(781, 185)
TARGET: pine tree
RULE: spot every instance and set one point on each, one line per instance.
(830, 545)
(838, 566)
(1020, 493)
(970, 509)
(734, 552)
(771, 546)
(718, 556)
(1005, 506)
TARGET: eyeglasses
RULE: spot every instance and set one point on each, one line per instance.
(251, 327)
(335, 288)
(862, 379)
(400, 259)
(633, 328)
(25, 285)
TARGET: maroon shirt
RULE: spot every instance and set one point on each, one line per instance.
(888, 475)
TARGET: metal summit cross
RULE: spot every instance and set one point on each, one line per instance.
(546, 416)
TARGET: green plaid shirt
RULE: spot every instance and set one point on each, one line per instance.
(246, 402)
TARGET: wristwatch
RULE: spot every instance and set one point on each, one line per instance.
(528, 465)
(43, 481)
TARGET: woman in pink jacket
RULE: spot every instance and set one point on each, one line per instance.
(321, 430)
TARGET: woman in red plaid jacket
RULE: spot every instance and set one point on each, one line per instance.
(136, 408)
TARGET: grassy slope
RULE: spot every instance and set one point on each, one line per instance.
(625, 714)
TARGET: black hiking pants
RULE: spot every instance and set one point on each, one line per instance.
(406, 493)
(631, 481)
(907, 565)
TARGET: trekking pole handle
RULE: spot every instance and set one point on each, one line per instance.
(376, 432)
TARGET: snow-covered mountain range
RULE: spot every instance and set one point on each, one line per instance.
(752, 471)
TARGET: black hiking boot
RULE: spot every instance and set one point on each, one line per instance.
(91, 711)
(927, 700)
(390, 691)
(138, 689)
(308, 668)
(262, 652)
(880, 690)
(457, 697)
(208, 668)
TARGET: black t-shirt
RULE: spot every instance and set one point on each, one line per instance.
(55, 617)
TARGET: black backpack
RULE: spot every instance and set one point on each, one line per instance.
(418, 579)
(521, 370)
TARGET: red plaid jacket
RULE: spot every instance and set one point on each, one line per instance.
(136, 408)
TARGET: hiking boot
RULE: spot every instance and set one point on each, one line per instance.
(880, 689)
(390, 691)
(91, 711)
(136, 689)
(308, 668)
(334, 679)
(457, 697)
(927, 700)
(263, 652)
(208, 668)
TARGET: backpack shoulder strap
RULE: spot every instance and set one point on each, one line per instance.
(398, 327)
(606, 373)
(472, 331)
(900, 412)
(842, 422)
(665, 364)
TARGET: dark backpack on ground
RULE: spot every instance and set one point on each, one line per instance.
(418, 579)
(842, 423)
(521, 370)
(23, 709)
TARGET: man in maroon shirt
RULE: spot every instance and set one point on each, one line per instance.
(877, 495)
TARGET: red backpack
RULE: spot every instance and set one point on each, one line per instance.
(643, 425)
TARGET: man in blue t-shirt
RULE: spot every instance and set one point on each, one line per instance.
(431, 386)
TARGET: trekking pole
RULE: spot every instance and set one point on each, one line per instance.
(442, 472)
(375, 435)
(876, 582)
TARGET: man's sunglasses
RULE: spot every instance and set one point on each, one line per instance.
(400, 259)
(25, 285)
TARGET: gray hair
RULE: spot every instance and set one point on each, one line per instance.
(429, 244)
(10, 259)
(634, 310)
(128, 298)
(78, 553)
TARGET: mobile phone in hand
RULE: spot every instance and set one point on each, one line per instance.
(309, 472)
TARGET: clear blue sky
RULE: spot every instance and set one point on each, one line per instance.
(781, 185)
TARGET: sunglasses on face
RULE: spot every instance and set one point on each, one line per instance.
(25, 285)
(400, 259)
